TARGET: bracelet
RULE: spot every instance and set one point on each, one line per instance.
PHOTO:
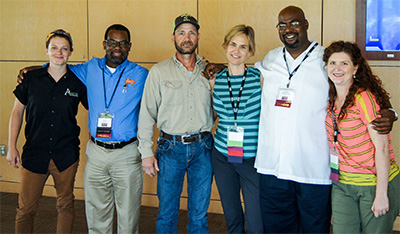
(396, 116)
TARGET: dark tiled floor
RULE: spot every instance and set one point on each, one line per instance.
(46, 216)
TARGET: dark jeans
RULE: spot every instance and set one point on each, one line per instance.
(230, 179)
(291, 207)
(175, 159)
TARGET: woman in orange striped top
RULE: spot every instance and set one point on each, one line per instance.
(365, 192)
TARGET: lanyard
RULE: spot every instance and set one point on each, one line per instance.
(336, 131)
(112, 96)
(297, 68)
(235, 109)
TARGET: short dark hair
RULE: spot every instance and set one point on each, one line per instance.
(59, 33)
(118, 27)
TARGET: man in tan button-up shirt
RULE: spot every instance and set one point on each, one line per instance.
(178, 98)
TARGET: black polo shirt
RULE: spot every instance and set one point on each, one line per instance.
(51, 129)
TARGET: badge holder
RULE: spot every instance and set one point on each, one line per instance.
(285, 97)
(235, 144)
(104, 125)
(334, 164)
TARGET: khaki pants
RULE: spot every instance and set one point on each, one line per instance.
(351, 207)
(113, 177)
(31, 189)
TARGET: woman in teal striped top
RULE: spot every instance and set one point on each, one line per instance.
(236, 101)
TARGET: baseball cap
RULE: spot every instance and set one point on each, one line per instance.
(185, 18)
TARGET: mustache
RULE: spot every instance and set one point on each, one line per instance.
(295, 33)
(186, 43)
(116, 51)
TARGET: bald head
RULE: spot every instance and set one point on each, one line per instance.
(293, 27)
(293, 10)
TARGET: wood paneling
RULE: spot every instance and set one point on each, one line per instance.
(25, 24)
(149, 21)
(339, 24)
(217, 17)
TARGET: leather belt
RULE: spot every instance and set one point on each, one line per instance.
(185, 139)
(115, 145)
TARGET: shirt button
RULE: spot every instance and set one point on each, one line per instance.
(52, 111)
(51, 138)
(51, 125)
(49, 152)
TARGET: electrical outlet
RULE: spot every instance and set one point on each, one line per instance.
(3, 150)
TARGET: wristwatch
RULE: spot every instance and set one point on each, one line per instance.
(396, 116)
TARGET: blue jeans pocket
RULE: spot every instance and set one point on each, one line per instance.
(163, 145)
(208, 142)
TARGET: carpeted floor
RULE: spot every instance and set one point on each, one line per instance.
(46, 216)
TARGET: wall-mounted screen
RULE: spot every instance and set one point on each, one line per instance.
(378, 29)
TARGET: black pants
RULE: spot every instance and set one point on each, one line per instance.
(291, 207)
(231, 178)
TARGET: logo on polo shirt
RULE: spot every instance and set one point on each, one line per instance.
(129, 81)
(71, 94)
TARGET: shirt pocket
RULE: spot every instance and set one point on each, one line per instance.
(204, 90)
(172, 92)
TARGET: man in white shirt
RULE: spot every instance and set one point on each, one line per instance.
(293, 151)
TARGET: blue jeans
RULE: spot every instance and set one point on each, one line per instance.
(175, 159)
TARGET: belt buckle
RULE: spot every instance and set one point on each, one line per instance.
(183, 139)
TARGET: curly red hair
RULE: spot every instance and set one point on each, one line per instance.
(365, 78)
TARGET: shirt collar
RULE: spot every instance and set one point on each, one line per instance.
(119, 67)
(177, 62)
(43, 71)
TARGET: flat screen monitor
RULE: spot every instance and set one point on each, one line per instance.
(378, 29)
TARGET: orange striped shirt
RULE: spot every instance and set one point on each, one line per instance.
(357, 151)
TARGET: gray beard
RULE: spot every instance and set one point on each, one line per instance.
(182, 51)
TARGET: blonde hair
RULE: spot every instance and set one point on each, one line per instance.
(238, 30)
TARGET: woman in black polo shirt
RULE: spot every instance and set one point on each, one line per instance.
(50, 96)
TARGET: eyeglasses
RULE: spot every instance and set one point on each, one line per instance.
(292, 25)
(113, 44)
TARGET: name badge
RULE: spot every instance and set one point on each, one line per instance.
(285, 97)
(104, 125)
(235, 144)
(334, 157)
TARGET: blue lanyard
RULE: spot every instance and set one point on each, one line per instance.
(297, 68)
(112, 96)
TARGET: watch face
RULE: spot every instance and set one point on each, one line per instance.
(396, 116)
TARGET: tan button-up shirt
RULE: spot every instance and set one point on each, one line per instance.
(179, 103)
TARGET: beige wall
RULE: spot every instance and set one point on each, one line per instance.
(24, 25)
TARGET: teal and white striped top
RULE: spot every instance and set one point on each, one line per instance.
(248, 114)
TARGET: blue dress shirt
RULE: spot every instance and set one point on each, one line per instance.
(125, 104)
